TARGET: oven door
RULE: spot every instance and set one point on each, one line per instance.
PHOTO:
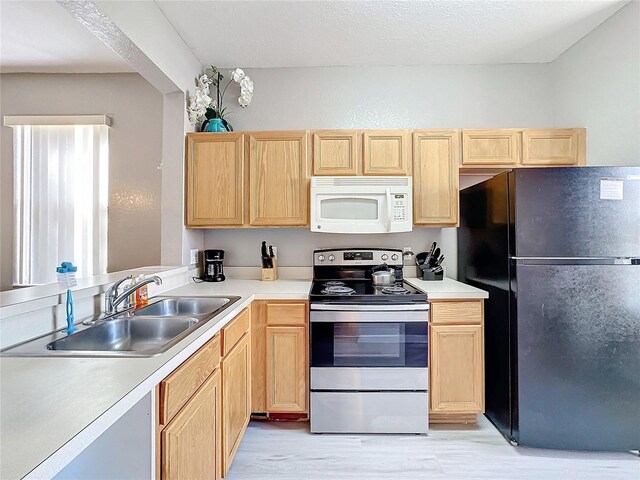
(393, 339)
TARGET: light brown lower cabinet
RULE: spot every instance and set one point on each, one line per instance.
(456, 366)
(236, 398)
(190, 444)
(286, 369)
(280, 369)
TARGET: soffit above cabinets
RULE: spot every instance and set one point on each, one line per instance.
(382, 33)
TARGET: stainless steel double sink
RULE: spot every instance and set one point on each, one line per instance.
(145, 332)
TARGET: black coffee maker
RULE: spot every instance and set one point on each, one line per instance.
(213, 269)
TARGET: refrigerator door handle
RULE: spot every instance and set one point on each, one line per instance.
(576, 260)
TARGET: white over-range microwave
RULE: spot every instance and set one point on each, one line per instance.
(361, 204)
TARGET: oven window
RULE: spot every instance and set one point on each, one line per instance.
(349, 208)
(372, 344)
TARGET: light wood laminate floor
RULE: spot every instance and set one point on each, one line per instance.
(273, 451)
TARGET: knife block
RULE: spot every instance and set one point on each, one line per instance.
(270, 274)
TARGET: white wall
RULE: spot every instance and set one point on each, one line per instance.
(380, 97)
(597, 86)
(135, 152)
(295, 246)
(397, 97)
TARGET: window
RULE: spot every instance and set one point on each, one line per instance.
(60, 196)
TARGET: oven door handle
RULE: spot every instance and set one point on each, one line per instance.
(415, 316)
(370, 308)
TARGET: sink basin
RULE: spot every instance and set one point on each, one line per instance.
(183, 307)
(146, 332)
(126, 335)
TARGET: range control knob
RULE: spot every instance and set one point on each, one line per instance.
(394, 256)
(384, 256)
(321, 258)
(332, 258)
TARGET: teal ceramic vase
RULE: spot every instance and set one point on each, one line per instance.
(215, 125)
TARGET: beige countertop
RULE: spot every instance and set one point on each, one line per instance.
(53, 408)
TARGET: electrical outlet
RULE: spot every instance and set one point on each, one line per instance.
(194, 256)
(406, 249)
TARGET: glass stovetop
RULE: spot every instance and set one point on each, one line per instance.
(364, 290)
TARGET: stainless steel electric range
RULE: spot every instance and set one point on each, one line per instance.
(368, 346)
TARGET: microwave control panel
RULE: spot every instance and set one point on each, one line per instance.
(400, 208)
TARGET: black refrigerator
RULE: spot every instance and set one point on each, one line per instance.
(558, 250)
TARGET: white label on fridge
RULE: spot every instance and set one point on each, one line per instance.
(611, 189)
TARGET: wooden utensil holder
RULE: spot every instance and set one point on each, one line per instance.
(270, 274)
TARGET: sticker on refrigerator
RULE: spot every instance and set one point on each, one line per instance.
(611, 189)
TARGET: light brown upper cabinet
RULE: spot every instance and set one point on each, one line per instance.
(491, 147)
(436, 154)
(511, 147)
(214, 179)
(553, 146)
(369, 152)
(336, 152)
(386, 152)
(278, 178)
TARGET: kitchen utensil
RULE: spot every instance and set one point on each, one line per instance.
(266, 260)
(432, 249)
(434, 257)
(271, 254)
(421, 258)
(380, 268)
(440, 260)
(383, 277)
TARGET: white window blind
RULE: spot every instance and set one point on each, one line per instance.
(60, 200)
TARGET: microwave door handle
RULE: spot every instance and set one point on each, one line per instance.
(389, 209)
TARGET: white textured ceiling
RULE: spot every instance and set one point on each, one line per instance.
(41, 36)
(324, 33)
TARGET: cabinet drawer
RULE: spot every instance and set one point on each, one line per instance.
(287, 313)
(178, 387)
(456, 312)
(233, 332)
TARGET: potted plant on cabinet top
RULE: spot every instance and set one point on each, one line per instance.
(202, 108)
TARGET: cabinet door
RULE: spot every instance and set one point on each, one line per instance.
(236, 398)
(191, 443)
(287, 369)
(435, 177)
(215, 179)
(553, 146)
(491, 147)
(335, 153)
(456, 368)
(386, 152)
(278, 178)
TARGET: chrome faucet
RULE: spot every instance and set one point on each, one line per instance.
(112, 293)
(128, 291)
(112, 299)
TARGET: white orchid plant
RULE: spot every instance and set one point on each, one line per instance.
(201, 106)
